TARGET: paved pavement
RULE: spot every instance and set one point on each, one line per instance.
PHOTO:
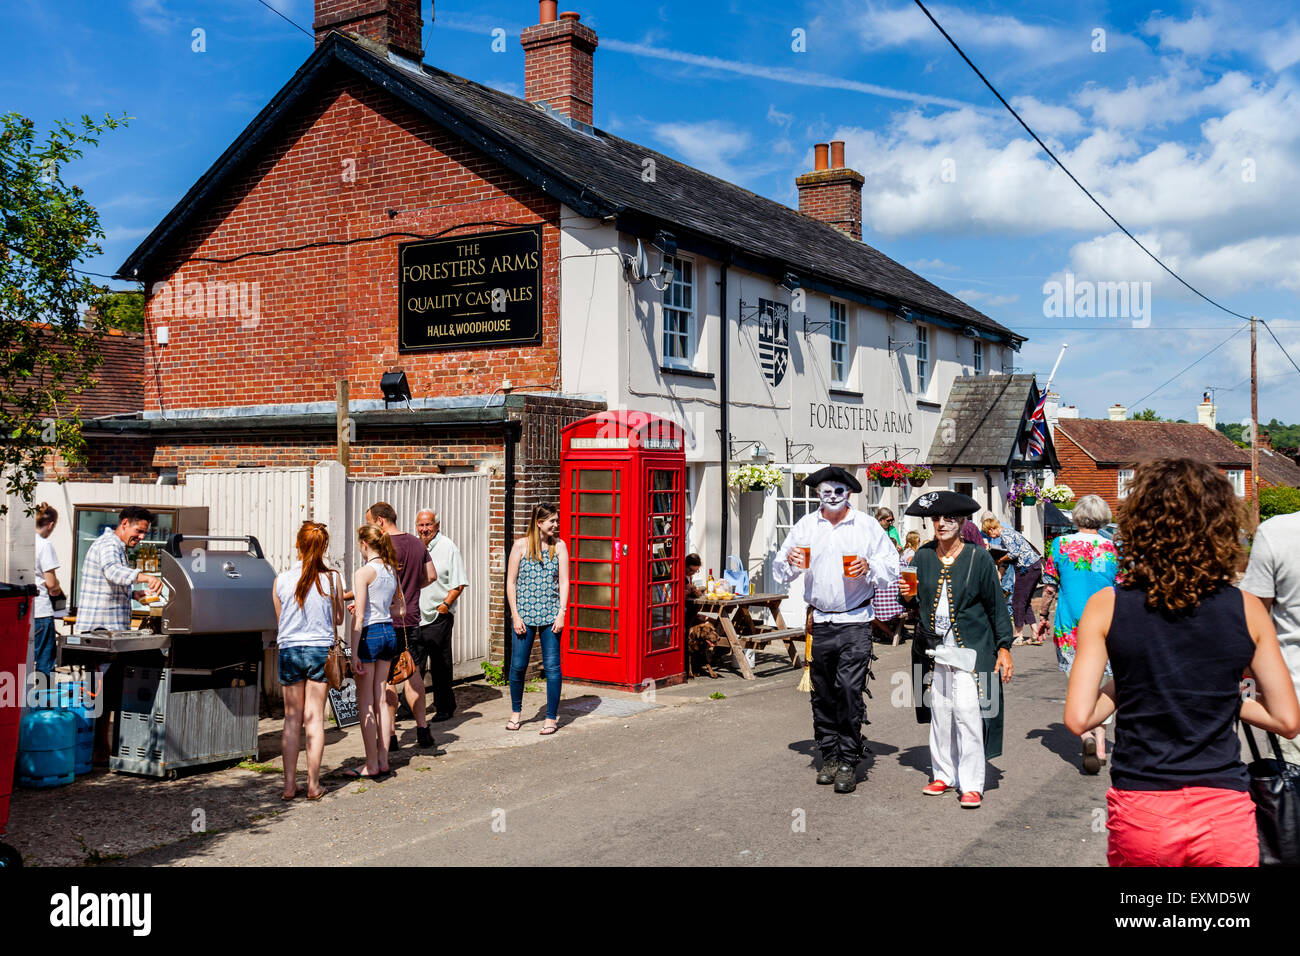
(688, 780)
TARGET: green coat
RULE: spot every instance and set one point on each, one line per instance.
(981, 622)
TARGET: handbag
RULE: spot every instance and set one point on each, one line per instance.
(737, 578)
(336, 661)
(403, 666)
(1275, 788)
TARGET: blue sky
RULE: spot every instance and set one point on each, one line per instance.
(1186, 126)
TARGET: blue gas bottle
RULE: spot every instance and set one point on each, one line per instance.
(47, 747)
(74, 698)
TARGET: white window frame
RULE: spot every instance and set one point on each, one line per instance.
(922, 359)
(1125, 475)
(1238, 479)
(841, 368)
(977, 352)
(679, 311)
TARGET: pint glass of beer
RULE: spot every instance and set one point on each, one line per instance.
(802, 557)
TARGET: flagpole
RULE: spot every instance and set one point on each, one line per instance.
(1052, 377)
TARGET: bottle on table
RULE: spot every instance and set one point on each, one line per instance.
(711, 586)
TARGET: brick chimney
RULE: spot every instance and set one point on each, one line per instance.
(558, 68)
(1265, 442)
(395, 24)
(831, 192)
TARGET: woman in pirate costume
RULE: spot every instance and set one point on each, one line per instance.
(962, 648)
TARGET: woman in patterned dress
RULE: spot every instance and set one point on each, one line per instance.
(537, 587)
(1078, 566)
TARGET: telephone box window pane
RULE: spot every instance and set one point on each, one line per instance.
(661, 616)
(597, 641)
(599, 548)
(661, 526)
(661, 480)
(596, 527)
(662, 570)
(589, 617)
(593, 594)
(590, 479)
(598, 503)
(661, 638)
(597, 572)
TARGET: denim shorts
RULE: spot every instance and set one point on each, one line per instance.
(378, 643)
(298, 664)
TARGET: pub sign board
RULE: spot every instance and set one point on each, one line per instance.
(464, 291)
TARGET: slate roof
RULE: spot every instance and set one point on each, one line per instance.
(1119, 443)
(119, 380)
(981, 423)
(599, 174)
(1277, 469)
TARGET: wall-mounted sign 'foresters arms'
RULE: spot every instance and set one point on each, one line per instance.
(470, 290)
(859, 418)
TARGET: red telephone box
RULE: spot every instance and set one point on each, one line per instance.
(622, 485)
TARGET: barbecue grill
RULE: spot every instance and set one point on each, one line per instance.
(190, 682)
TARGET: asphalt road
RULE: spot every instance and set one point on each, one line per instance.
(704, 782)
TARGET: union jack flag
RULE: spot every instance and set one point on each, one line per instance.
(1038, 427)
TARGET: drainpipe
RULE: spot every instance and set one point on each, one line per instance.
(724, 431)
(512, 429)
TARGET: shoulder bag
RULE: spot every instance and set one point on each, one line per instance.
(336, 661)
(1275, 788)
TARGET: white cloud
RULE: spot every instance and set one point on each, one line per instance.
(1047, 119)
(986, 298)
(708, 145)
(776, 116)
(1223, 31)
(152, 15)
(932, 265)
(1164, 99)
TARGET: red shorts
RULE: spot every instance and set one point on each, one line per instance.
(1194, 826)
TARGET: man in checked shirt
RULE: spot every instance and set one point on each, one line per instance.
(104, 599)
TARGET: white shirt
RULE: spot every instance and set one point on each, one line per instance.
(835, 598)
(451, 574)
(311, 625)
(46, 560)
(379, 594)
(1274, 572)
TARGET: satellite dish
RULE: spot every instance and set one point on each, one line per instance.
(641, 264)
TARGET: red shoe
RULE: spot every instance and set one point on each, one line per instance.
(936, 788)
(970, 800)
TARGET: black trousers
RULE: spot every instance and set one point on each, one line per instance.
(436, 638)
(841, 654)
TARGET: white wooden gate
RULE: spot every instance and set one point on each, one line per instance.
(268, 503)
(461, 502)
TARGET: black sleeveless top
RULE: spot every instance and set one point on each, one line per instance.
(1177, 681)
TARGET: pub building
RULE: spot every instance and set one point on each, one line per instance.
(521, 270)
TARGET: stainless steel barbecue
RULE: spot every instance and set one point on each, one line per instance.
(190, 683)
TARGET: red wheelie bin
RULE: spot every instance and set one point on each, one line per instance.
(15, 629)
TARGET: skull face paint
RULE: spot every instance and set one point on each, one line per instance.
(834, 495)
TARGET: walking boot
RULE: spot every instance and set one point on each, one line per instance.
(846, 778)
(830, 766)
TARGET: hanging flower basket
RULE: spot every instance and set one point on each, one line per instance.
(1024, 493)
(1057, 494)
(755, 477)
(887, 472)
(919, 476)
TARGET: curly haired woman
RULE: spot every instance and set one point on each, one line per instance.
(1179, 637)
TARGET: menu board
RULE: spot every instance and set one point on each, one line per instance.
(344, 703)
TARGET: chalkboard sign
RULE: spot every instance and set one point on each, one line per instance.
(344, 702)
(470, 290)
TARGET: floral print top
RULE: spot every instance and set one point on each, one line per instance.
(1078, 565)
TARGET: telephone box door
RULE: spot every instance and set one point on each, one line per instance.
(666, 572)
(596, 515)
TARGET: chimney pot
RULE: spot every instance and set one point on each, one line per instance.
(837, 154)
(831, 192)
(819, 155)
(547, 11)
(571, 15)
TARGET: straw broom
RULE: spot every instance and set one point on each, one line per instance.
(805, 682)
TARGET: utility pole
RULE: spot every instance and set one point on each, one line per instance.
(343, 424)
(1254, 434)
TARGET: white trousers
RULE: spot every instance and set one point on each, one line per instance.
(956, 730)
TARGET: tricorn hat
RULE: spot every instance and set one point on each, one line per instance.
(832, 473)
(933, 504)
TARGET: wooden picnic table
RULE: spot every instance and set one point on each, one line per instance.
(725, 611)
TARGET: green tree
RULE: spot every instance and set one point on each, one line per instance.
(1278, 501)
(1146, 415)
(121, 310)
(46, 228)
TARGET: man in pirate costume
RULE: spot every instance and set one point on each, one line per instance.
(848, 558)
(962, 648)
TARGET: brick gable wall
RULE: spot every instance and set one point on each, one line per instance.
(340, 164)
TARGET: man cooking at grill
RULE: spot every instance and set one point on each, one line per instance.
(845, 557)
(104, 600)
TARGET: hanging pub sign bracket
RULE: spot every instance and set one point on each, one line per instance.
(793, 448)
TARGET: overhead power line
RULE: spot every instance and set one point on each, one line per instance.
(1187, 367)
(286, 19)
(1096, 202)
